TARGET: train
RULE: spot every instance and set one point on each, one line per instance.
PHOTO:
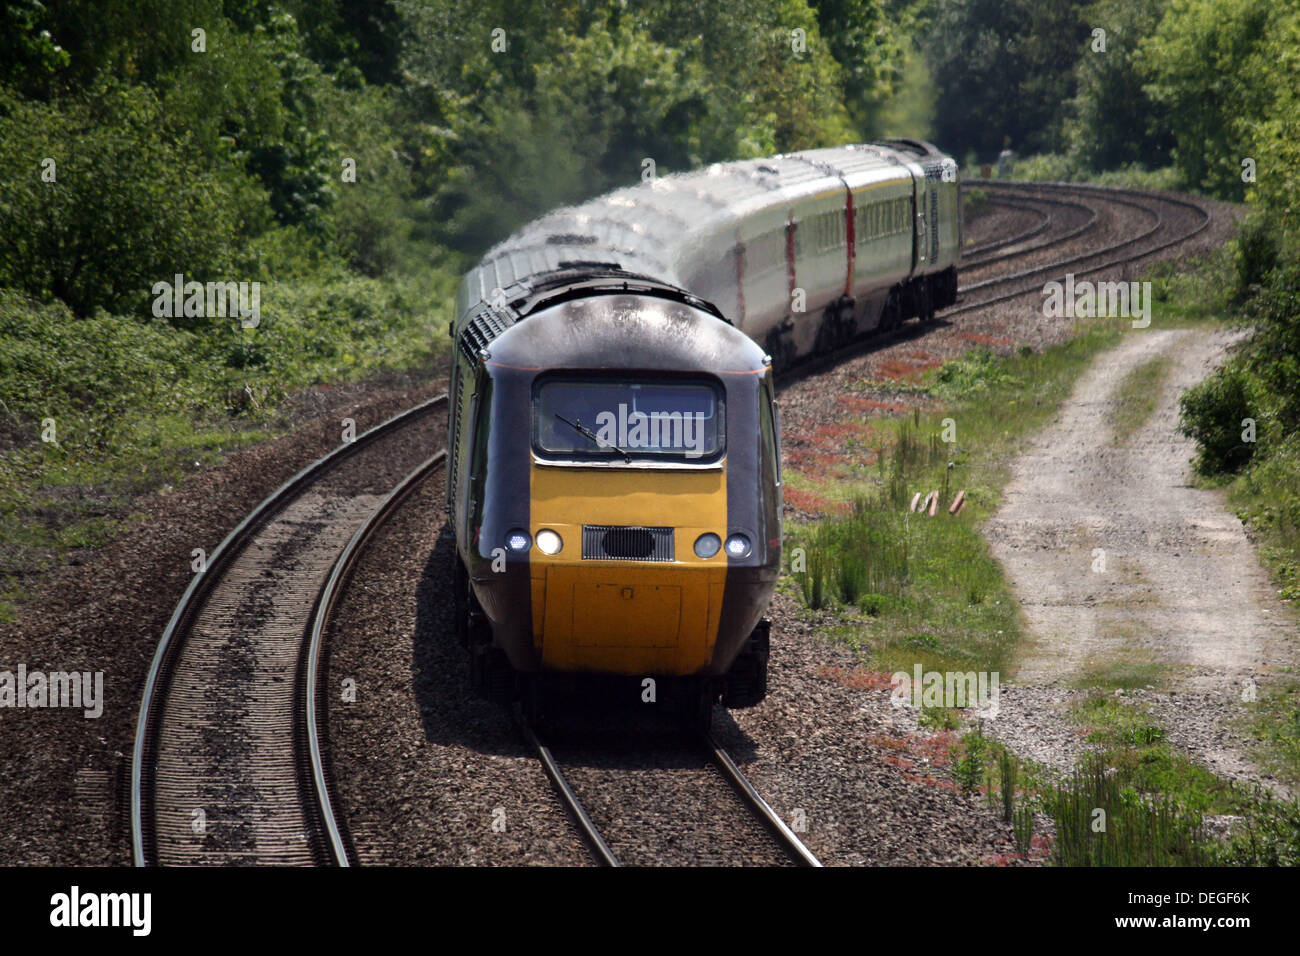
(614, 471)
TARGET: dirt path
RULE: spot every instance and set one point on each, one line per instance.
(1120, 563)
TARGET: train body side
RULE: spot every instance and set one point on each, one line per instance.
(800, 251)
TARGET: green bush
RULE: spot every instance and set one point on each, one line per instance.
(1269, 835)
(1213, 415)
(1046, 167)
(88, 375)
(1255, 256)
(1276, 349)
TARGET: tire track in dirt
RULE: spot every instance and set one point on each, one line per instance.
(1182, 587)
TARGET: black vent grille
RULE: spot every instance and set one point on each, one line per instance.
(480, 329)
(601, 542)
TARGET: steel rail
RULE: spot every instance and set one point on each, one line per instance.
(143, 838)
(759, 807)
(981, 254)
(588, 830)
(313, 711)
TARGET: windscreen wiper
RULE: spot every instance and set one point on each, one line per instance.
(586, 432)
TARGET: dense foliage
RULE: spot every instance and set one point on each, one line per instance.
(306, 145)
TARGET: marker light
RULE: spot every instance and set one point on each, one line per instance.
(518, 540)
(707, 545)
(549, 542)
(737, 546)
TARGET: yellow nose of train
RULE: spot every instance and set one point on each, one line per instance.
(616, 497)
(626, 593)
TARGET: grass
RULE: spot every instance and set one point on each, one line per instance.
(67, 502)
(1133, 802)
(1266, 496)
(1103, 819)
(915, 589)
(1127, 668)
(1130, 740)
(136, 404)
(1138, 395)
(1274, 722)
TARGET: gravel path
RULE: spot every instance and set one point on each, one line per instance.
(1181, 587)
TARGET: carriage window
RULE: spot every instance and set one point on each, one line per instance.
(607, 420)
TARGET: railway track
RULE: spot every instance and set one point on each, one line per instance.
(1016, 245)
(784, 840)
(1162, 233)
(972, 253)
(228, 765)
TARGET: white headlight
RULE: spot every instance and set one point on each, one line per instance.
(737, 546)
(549, 542)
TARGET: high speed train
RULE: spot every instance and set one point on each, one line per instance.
(613, 481)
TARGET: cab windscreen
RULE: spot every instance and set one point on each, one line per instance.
(627, 420)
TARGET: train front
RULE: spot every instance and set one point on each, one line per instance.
(631, 505)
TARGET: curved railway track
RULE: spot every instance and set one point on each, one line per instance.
(971, 253)
(1013, 246)
(228, 765)
(1162, 233)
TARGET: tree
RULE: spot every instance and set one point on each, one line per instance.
(1206, 60)
(1003, 71)
(1115, 121)
(122, 206)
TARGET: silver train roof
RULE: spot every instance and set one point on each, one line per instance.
(656, 228)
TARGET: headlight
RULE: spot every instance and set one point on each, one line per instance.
(707, 545)
(737, 546)
(548, 542)
(518, 540)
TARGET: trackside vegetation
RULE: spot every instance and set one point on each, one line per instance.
(902, 588)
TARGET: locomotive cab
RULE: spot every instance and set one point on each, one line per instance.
(617, 501)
